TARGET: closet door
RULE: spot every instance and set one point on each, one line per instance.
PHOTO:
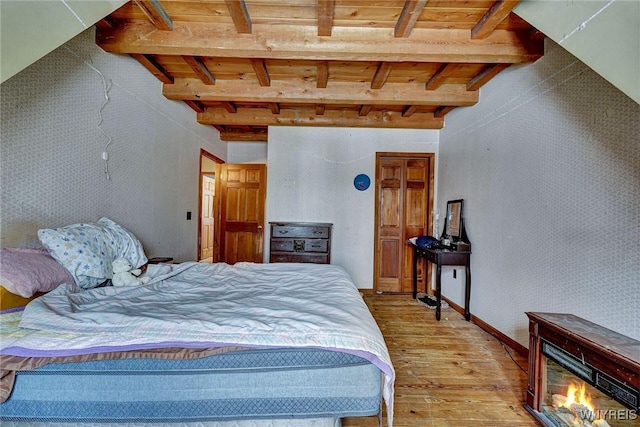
(390, 213)
(404, 183)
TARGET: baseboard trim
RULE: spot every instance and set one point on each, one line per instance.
(514, 345)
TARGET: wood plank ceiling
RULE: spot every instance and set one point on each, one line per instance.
(244, 65)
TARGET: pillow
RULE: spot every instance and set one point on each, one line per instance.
(87, 250)
(25, 272)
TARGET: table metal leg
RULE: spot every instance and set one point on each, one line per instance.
(467, 291)
(415, 274)
(438, 290)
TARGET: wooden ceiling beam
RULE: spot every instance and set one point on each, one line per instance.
(274, 107)
(442, 111)
(106, 22)
(409, 111)
(535, 34)
(325, 17)
(200, 69)
(195, 106)
(337, 118)
(410, 14)
(345, 93)
(239, 15)
(485, 75)
(230, 107)
(364, 110)
(155, 13)
(260, 68)
(301, 43)
(381, 75)
(440, 76)
(253, 135)
(494, 16)
(150, 63)
(322, 74)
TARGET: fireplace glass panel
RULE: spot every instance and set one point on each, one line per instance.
(569, 401)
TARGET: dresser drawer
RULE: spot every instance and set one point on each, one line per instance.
(300, 245)
(313, 245)
(282, 245)
(299, 257)
(316, 232)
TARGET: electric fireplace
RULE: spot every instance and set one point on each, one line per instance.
(581, 374)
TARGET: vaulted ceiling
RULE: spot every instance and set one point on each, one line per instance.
(244, 65)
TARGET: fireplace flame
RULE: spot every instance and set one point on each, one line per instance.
(577, 395)
(576, 408)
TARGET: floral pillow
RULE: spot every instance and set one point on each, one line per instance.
(87, 250)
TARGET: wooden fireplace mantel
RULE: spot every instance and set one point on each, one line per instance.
(610, 352)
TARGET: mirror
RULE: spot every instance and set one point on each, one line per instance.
(453, 221)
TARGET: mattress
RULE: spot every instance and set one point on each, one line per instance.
(308, 348)
(239, 385)
(311, 422)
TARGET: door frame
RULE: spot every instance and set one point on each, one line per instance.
(205, 153)
(431, 157)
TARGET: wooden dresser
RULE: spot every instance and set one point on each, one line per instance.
(300, 242)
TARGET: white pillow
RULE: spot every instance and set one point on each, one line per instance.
(87, 250)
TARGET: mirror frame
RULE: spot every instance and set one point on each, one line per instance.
(453, 225)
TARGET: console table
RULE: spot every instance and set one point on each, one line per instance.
(441, 257)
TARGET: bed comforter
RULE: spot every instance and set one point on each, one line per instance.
(198, 305)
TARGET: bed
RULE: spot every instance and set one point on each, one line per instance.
(199, 344)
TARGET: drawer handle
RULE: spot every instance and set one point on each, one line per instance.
(283, 231)
(317, 245)
(281, 258)
(317, 232)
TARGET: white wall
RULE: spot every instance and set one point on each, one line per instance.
(548, 164)
(247, 152)
(604, 34)
(56, 120)
(32, 29)
(310, 173)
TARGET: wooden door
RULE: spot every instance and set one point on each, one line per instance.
(404, 201)
(389, 206)
(242, 199)
(207, 217)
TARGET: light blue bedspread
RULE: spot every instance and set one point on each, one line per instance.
(199, 304)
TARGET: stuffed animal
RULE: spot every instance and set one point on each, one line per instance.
(125, 275)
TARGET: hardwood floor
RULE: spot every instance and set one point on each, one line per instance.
(449, 373)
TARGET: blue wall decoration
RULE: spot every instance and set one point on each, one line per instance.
(361, 182)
